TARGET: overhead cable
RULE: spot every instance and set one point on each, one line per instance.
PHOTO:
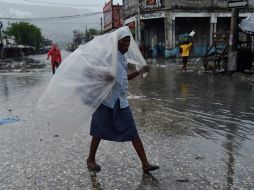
(51, 18)
(50, 3)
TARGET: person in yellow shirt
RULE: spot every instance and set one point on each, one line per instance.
(185, 52)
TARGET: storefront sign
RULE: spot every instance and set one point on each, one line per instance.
(234, 4)
(151, 4)
(152, 15)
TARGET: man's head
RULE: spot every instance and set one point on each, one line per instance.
(123, 44)
(124, 38)
(54, 46)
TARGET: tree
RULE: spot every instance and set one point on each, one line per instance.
(91, 32)
(25, 34)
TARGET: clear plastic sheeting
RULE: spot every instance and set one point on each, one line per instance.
(247, 24)
(80, 83)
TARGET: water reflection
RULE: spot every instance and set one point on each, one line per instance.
(229, 145)
(94, 180)
(18, 84)
(235, 135)
(184, 90)
(207, 105)
(4, 86)
(148, 181)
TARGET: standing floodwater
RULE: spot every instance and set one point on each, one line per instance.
(198, 127)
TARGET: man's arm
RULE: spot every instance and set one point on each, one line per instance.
(136, 73)
(49, 53)
(133, 75)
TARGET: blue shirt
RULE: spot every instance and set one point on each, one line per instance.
(120, 87)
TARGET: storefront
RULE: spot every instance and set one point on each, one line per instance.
(153, 33)
(152, 28)
(203, 23)
(201, 26)
(161, 23)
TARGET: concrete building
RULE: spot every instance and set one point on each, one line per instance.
(113, 16)
(161, 21)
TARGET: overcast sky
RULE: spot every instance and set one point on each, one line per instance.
(57, 30)
(73, 2)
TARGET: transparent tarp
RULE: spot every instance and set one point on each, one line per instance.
(247, 24)
(80, 83)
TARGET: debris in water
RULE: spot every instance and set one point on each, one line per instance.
(9, 120)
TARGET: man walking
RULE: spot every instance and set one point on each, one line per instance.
(185, 53)
(56, 57)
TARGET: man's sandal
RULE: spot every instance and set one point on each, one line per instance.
(93, 167)
(150, 168)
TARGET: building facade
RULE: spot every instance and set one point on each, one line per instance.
(162, 21)
(113, 16)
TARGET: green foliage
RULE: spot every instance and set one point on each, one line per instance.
(25, 34)
(92, 32)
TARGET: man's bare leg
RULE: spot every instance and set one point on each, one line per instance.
(138, 145)
(91, 163)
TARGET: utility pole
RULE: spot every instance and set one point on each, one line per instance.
(101, 26)
(34, 40)
(233, 37)
(138, 33)
(138, 26)
(233, 41)
(18, 35)
(1, 42)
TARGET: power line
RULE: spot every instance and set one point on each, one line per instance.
(50, 3)
(81, 23)
(51, 18)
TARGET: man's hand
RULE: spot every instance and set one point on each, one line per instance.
(109, 77)
(144, 69)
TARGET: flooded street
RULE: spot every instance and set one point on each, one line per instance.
(199, 128)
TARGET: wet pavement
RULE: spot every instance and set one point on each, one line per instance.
(198, 127)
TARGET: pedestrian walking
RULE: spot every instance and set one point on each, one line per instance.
(113, 119)
(56, 57)
(185, 52)
(90, 92)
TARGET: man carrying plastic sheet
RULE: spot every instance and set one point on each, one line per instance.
(89, 91)
(113, 119)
